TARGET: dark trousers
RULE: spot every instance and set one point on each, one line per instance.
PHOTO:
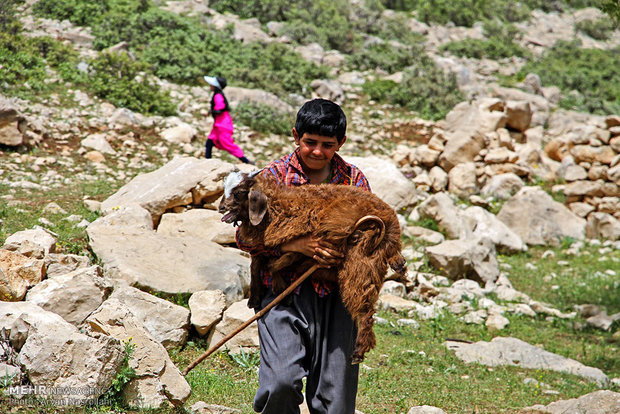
(306, 336)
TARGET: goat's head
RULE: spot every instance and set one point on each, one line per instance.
(242, 201)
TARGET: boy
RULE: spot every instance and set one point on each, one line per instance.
(311, 334)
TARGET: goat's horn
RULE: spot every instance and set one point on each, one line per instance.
(375, 219)
(255, 173)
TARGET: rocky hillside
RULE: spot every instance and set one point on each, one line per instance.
(489, 131)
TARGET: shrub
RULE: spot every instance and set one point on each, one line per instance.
(466, 12)
(599, 29)
(383, 56)
(612, 8)
(20, 62)
(594, 73)
(498, 44)
(82, 13)
(264, 118)
(425, 89)
(323, 21)
(462, 12)
(9, 23)
(123, 82)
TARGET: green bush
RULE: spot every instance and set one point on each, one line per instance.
(383, 56)
(462, 12)
(395, 28)
(323, 21)
(20, 62)
(612, 8)
(600, 29)
(117, 78)
(467, 12)
(499, 43)
(264, 118)
(9, 24)
(594, 73)
(82, 13)
(425, 89)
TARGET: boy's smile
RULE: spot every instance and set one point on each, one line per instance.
(316, 151)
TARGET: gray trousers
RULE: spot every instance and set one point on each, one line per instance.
(306, 336)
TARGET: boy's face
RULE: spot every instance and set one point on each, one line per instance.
(316, 151)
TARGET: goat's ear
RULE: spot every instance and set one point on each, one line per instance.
(257, 206)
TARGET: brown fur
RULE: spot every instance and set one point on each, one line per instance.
(328, 212)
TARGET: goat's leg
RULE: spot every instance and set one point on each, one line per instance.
(399, 265)
(256, 284)
(360, 281)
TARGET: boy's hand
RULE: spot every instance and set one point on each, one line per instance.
(321, 251)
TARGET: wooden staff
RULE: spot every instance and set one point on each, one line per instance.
(256, 316)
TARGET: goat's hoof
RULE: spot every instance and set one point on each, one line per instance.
(356, 359)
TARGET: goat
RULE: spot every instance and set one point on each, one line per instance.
(273, 215)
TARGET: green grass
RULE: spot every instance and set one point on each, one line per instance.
(26, 208)
(582, 280)
(413, 367)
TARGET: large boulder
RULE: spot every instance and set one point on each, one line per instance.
(207, 308)
(234, 317)
(597, 402)
(387, 181)
(199, 223)
(503, 351)
(472, 259)
(55, 354)
(157, 379)
(519, 115)
(489, 226)
(36, 242)
(18, 273)
(540, 220)
(465, 127)
(503, 186)
(178, 183)
(166, 322)
(442, 209)
(236, 95)
(131, 250)
(74, 296)
(463, 179)
(603, 225)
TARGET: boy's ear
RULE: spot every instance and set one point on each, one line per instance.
(296, 136)
(257, 206)
(344, 139)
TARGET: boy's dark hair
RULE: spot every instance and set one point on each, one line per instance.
(321, 117)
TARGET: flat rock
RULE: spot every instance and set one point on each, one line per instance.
(169, 186)
(597, 402)
(540, 220)
(386, 181)
(130, 250)
(514, 352)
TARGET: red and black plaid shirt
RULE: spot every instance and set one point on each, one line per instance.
(287, 171)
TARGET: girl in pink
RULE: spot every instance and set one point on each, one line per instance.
(221, 134)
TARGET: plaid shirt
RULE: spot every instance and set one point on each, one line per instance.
(288, 171)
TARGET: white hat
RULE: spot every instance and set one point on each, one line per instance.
(212, 80)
